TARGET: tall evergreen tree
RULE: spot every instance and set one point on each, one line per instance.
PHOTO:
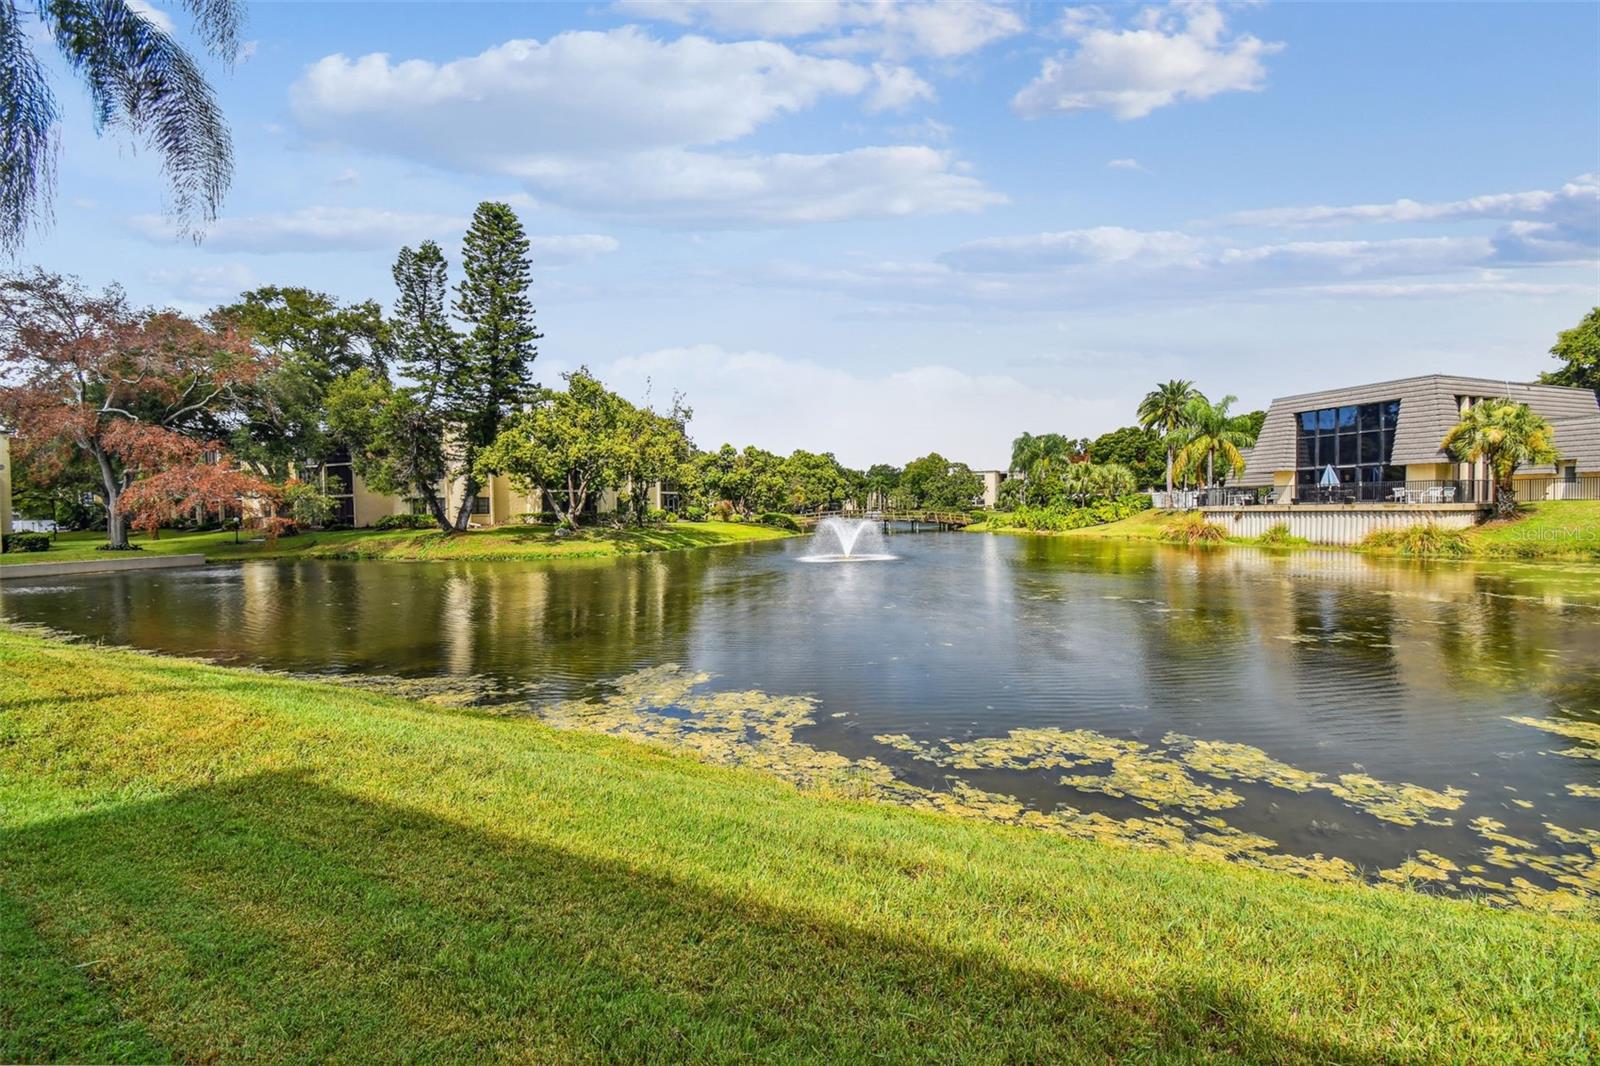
(397, 436)
(492, 300)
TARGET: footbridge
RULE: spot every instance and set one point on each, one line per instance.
(937, 519)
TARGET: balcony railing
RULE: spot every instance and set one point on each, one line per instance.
(1413, 493)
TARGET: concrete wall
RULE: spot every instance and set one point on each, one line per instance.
(1337, 524)
(118, 561)
(5, 483)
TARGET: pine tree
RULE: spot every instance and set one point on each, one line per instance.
(493, 301)
(432, 355)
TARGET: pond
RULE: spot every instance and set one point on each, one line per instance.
(1326, 713)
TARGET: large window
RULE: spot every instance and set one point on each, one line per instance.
(1355, 440)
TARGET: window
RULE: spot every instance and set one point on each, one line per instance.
(417, 505)
(480, 505)
(1356, 440)
(1570, 473)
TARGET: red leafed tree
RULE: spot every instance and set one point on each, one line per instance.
(184, 489)
(134, 391)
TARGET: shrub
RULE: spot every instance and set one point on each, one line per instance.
(1191, 529)
(694, 513)
(1279, 537)
(780, 520)
(672, 516)
(1426, 540)
(404, 521)
(27, 542)
(1057, 518)
(723, 510)
(654, 516)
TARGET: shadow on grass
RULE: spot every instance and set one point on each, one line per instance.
(277, 918)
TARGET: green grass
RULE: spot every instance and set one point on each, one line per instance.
(503, 542)
(207, 864)
(1557, 529)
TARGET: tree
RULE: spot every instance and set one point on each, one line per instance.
(814, 482)
(171, 495)
(1135, 447)
(570, 443)
(312, 341)
(1579, 348)
(650, 447)
(1037, 456)
(139, 79)
(878, 485)
(398, 436)
(85, 375)
(499, 350)
(1083, 482)
(395, 439)
(1208, 432)
(1505, 435)
(934, 482)
(1162, 410)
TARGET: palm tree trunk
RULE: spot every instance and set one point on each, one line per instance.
(1169, 475)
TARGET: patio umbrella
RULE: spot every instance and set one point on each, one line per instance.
(1330, 477)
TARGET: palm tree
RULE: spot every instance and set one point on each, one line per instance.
(1162, 410)
(1504, 434)
(138, 78)
(1209, 431)
(1034, 456)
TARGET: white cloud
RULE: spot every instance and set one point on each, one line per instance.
(342, 229)
(571, 248)
(1127, 164)
(897, 88)
(1099, 245)
(210, 284)
(1542, 225)
(576, 92)
(347, 176)
(697, 188)
(619, 122)
(153, 15)
(1171, 54)
(925, 28)
(863, 418)
(1582, 193)
(313, 229)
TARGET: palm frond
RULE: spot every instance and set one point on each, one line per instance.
(218, 23)
(27, 134)
(141, 79)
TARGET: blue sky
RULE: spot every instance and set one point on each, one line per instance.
(880, 228)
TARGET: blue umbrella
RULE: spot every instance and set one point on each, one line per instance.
(1330, 477)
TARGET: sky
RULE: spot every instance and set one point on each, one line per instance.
(880, 229)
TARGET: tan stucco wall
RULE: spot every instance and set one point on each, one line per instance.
(5, 483)
(370, 506)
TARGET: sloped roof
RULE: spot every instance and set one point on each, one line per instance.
(1577, 440)
(1429, 406)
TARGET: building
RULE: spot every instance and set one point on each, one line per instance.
(5, 485)
(992, 480)
(497, 503)
(1379, 444)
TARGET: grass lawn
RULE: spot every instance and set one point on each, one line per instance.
(503, 542)
(201, 863)
(1550, 529)
(1146, 525)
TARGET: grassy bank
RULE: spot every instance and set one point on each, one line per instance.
(504, 542)
(1548, 530)
(207, 864)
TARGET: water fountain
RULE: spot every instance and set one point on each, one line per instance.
(853, 540)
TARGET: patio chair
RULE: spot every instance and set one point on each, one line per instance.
(1433, 495)
(1447, 495)
(1401, 495)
